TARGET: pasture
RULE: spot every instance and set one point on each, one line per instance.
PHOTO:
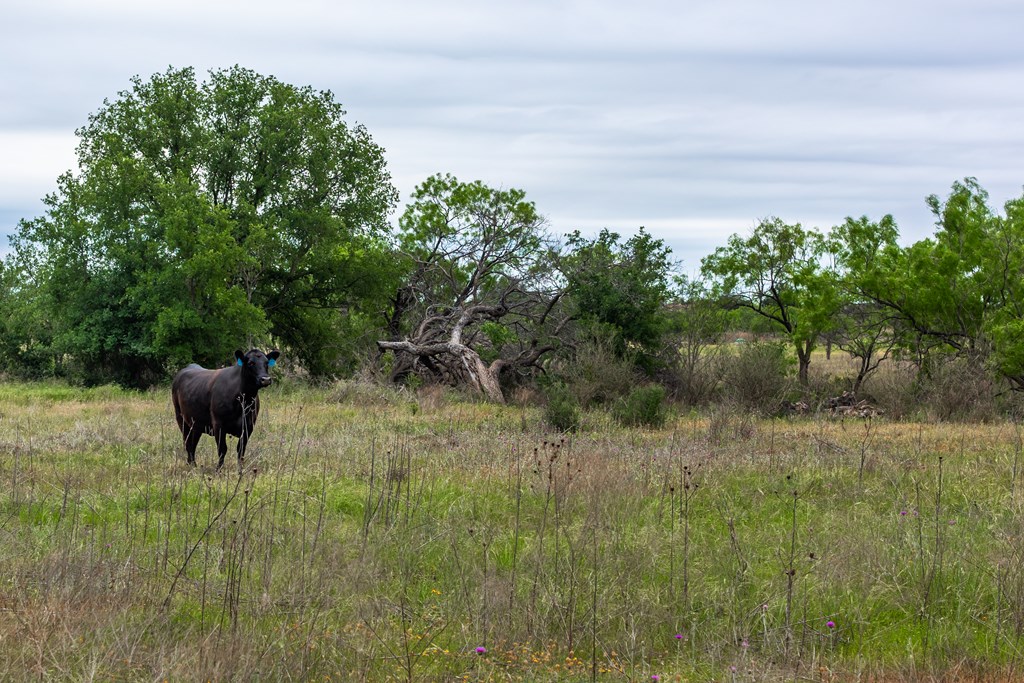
(375, 535)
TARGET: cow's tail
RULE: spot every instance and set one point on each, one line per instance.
(178, 417)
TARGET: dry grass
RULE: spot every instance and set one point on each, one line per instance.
(381, 536)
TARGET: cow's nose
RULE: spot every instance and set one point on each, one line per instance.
(265, 381)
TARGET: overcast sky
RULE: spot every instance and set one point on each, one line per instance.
(690, 117)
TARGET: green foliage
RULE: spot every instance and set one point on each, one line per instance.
(694, 350)
(643, 407)
(959, 291)
(206, 215)
(622, 286)
(25, 330)
(596, 374)
(777, 273)
(562, 410)
(464, 236)
(498, 336)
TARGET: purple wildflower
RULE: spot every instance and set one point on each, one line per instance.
(830, 624)
(481, 650)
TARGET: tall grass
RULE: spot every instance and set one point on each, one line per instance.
(379, 540)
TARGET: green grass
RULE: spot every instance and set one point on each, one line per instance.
(368, 540)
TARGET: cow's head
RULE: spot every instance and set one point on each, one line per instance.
(256, 366)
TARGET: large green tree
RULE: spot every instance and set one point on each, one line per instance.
(207, 215)
(959, 292)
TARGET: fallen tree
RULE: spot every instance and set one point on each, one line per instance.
(441, 349)
(481, 297)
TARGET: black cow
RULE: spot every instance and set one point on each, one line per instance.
(221, 402)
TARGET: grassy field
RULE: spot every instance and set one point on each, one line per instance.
(381, 536)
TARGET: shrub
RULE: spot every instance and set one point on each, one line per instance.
(562, 410)
(693, 377)
(644, 406)
(694, 354)
(727, 424)
(597, 375)
(757, 377)
(892, 388)
(959, 389)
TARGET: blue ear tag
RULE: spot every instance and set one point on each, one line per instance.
(271, 362)
(240, 361)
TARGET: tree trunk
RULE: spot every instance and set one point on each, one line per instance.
(484, 379)
(481, 378)
(803, 356)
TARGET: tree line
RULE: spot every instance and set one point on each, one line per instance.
(209, 214)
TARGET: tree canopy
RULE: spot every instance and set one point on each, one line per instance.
(958, 292)
(622, 286)
(203, 215)
(777, 273)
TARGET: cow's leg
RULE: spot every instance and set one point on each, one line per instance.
(222, 447)
(248, 422)
(191, 436)
(243, 441)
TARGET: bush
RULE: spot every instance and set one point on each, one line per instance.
(597, 375)
(562, 410)
(757, 377)
(694, 379)
(959, 390)
(644, 406)
(893, 389)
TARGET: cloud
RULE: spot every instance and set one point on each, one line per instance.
(694, 119)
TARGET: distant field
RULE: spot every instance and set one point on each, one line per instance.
(386, 536)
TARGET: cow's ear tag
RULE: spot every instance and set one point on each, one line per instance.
(272, 362)
(240, 361)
